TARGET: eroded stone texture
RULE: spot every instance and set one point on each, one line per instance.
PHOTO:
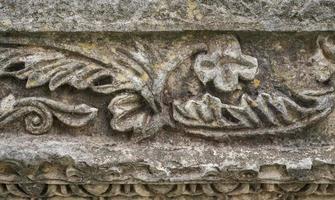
(180, 115)
(166, 15)
(86, 113)
(224, 91)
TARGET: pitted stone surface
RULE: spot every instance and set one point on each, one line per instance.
(172, 99)
(166, 15)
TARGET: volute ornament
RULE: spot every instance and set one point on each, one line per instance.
(137, 79)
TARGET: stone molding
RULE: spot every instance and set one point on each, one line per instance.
(180, 99)
(51, 180)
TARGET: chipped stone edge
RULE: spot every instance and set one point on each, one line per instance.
(65, 179)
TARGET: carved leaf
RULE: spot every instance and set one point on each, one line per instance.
(40, 66)
(71, 115)
(38, 113)
(265, 111)
(206, 111)
(131, 114)
(142, 60)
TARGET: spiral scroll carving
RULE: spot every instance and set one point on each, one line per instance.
(38, 113)
(216, 101)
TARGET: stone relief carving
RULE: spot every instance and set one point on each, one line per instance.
(40, 66)
(324, 58)
(225, 66)
(69, 180)
(265, 114)
(138, 79)
(188, 191)
(167, 99)
(38, 113)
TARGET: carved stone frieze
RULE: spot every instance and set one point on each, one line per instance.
(138, 77)
(167, 99)
(180, 191)
(264, 115)
(176, 116)
(51, 180)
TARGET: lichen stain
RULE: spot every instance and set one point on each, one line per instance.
(256, 83)
(87, 47)
(193, 11)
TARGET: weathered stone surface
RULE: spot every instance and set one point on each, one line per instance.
(262, 117)
(166, 15)
(86, 113)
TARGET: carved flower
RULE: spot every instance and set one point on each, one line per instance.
(132, 113)
(225, 67)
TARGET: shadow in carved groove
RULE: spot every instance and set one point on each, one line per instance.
(138, 85)
(168, 190)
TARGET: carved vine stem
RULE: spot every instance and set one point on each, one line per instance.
(265, 114)
(130, 111)
(137, 80)
(38, 113)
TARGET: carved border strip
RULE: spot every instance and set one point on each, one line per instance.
(67, 172)
(217, 189)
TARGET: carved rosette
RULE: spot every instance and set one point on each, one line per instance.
(137, 77)
(223, 71)
(225, 66)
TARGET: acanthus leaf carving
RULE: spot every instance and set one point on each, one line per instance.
(264, 112)
(225, 66)
(40, 66)
(39, 112)
(137, 79)
(132, 111)
(128, 70)
(130, 114)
